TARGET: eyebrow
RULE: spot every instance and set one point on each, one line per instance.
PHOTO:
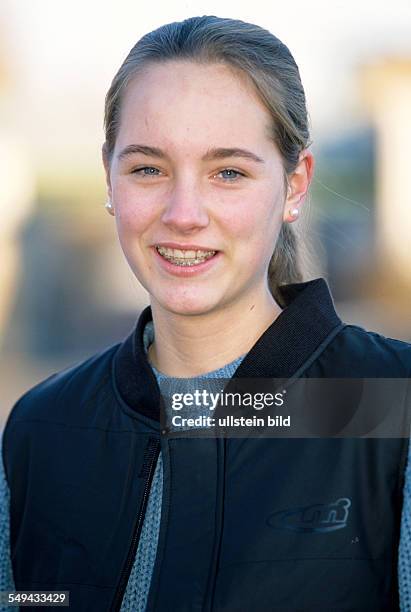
(215, 153)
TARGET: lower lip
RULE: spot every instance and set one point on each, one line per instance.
(186, 271)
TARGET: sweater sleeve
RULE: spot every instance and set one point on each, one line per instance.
(404, 562)
(6, 573)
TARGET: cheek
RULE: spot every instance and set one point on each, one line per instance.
(256, 221)
(255, 228)
(134, 213)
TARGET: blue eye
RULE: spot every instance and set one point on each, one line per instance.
(146, 171)
(230, 174)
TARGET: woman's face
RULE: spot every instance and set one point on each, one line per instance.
(197, 187)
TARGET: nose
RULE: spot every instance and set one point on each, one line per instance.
(185, 211)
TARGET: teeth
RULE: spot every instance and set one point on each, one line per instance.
(184, 258)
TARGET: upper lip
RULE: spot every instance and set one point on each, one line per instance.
(184, 247)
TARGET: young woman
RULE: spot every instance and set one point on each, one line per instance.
(208, 166)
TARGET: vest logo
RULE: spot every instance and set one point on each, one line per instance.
(317, 518)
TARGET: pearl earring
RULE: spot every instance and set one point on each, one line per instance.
(109, 207)
(294, 212)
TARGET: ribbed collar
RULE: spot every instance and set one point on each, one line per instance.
(305, 323)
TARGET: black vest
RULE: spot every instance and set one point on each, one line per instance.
(246, 524)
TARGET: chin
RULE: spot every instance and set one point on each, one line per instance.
(186, 305)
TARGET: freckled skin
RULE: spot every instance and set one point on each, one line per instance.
(184, 109)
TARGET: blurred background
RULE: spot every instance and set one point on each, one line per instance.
(65, 288)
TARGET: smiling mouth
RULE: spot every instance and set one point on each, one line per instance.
(184, 258)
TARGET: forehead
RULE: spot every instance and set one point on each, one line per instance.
(182, 103)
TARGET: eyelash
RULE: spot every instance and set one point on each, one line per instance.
(139, 171)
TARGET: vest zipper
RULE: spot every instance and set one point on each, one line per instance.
(212, 579)
(147, 471)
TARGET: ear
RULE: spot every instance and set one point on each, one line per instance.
(298, 183)
(106, 163)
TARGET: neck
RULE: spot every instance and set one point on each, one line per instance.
(190, 345)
